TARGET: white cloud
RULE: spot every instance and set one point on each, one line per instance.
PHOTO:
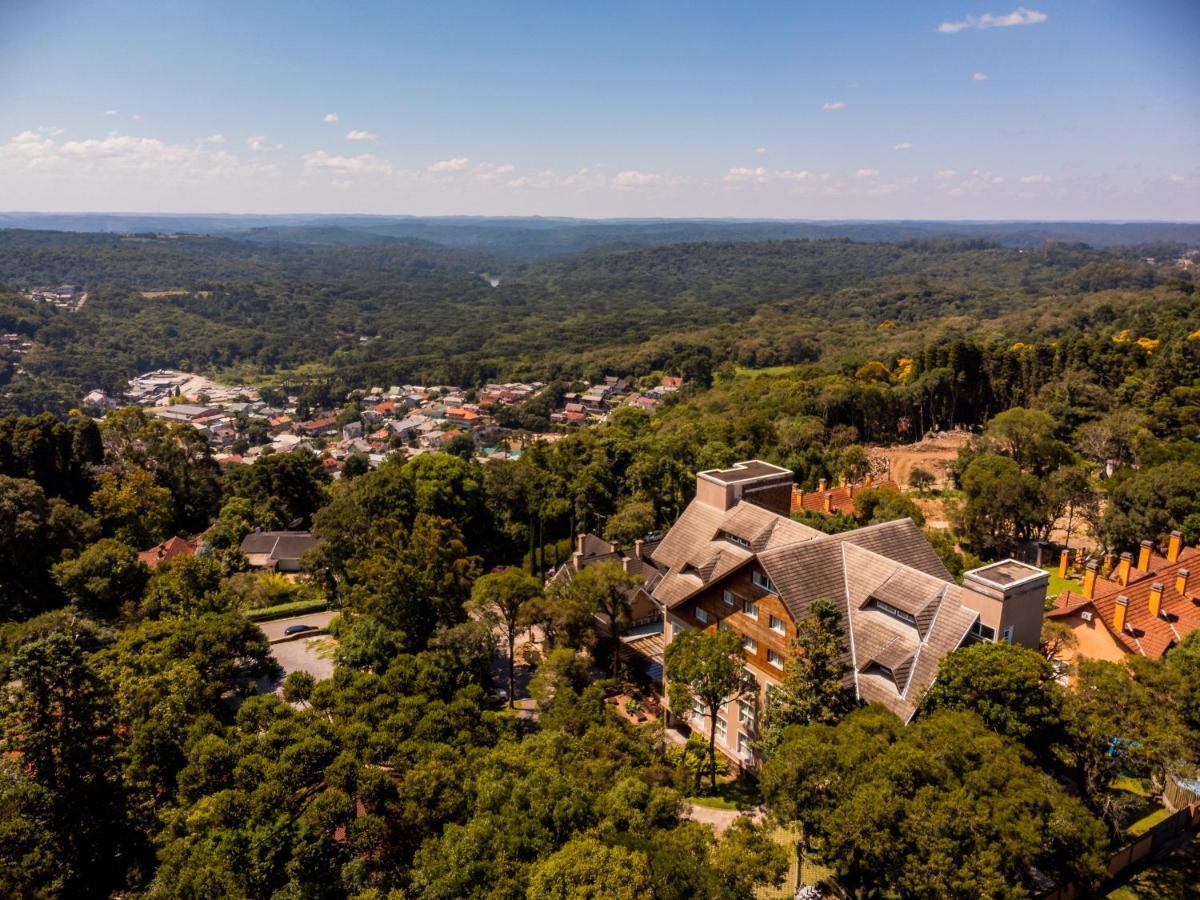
(330, 117)
(119, 154)
(342, 184)
(137, 117)
(633, 178)
(946, 173)
(215, 139)
(258, 143)
(867, 173)
(833, 104)
(358, 135)
(1019, 16)
(760, 150)
(110, 112)
(761, 175)
(449, 165)
(1036, 179)
(1177, 179)
(363, 163)
(904, 145)
(980, 76)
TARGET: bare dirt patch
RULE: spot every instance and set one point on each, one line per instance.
(933, 453)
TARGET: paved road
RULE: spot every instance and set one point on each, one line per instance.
(274, 629)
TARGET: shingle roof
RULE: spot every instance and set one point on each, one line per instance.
(891, 562)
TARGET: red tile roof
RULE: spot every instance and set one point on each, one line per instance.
(841, 498)
(167, 550)
(1179, 614)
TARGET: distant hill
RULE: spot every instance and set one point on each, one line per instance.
(520, 239)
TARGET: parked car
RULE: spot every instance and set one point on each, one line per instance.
(298, 629)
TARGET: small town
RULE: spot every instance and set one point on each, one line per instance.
(406, 420)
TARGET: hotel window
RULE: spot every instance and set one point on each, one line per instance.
(746, 714)
(750, 678)
(722, 730)
(750, 608)
(698, 711)
(983, 632)
(749, 643)
(762, 581)
(895, 613)
(701, 616)
(1007, 635)
(777, 625)
(775, 659)
(743, 747)
(724, 626)
(728, 598)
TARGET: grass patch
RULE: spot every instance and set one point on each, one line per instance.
(1130, 785)
(1058, 584)
(744, 372)
(740, 793)
(1145, 823)
(283, 610)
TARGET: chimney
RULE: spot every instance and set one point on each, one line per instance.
(869, 480)
(828, 503)
(1156, 590)
(1064, 563)
(625, 563)
(1181, 582)
(1123, 568)
(1144, 555)
(1089, 580)
(822, 484)
(1119, 613)
(850, 489)
(1174, 546)
(579, 539)
(637, 548)
(1108, 565)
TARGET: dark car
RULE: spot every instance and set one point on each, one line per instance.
(299, 629)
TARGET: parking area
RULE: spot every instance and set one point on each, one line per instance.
(310, 651)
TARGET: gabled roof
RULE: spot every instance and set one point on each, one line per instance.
(893, 660)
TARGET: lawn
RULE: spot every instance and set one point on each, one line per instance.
(1058, 584)
(732, 793)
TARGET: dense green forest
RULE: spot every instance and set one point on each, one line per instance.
(141, 757)
(392, 311)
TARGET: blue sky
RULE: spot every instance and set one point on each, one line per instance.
(1083, 109)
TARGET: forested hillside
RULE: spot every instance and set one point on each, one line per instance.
(393, 311)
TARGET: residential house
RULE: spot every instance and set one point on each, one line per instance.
(277, 551)
(185, 412)
(590, 550)
(325, 425)
(836, 500)
(1144, 608)
(169, 550)
(352, 430)
(735, 560)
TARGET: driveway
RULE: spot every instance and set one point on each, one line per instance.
(310, 652)
(274, 629)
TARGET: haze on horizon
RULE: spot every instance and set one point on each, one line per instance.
(945, 110)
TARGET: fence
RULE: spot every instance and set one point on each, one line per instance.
(1159, 838)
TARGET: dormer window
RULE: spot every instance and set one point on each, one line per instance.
(734, 539)
(896, 613)
(762, 582)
